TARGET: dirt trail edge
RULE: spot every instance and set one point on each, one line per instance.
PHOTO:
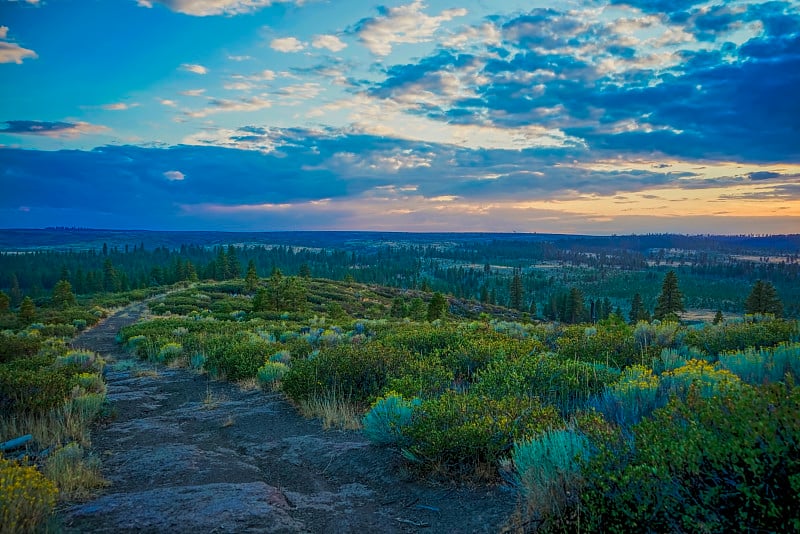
(185, 454)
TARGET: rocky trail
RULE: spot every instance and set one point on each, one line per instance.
(186, 454)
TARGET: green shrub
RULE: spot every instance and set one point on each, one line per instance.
(237, 357)
(25, 390)
(705, 377)
(727, 463)
(566, 384)
(27, 498)
(270, 373)
(14, 346)
(358, 373)
(757, 333)
(464, 435)
(760, 366)
(421, 377)
(384, 422)
(84, 360)
(169, 352)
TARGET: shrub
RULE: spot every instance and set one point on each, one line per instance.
(169, 352)
(635, 395)
(728, 463)
(84, 360)
(384, 422)
(566, 384)
(237, 357)
(547, 470)
(75, 474)
(757, 333)
(17, 346)
(700, 374)
(32, 390)
(197, 361)
(355, 372)
(760, 366)
(271, 373)
(465, 435)
(27, 498)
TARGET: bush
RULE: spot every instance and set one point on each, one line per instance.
(84, 360)
(756, 333)
(566, 384)
(17, 346)
(357, 373)
(33, 390)
(271, 373)
(169, 352)
(761, 366)
(728, 463)
(699, 374)
(635, 395)
(237, 357)
(465, 435)
(384, 422)
(547, 469)
(27, 498)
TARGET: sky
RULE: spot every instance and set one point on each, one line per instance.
(593, 117)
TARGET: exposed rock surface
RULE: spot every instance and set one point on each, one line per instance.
(185, 454)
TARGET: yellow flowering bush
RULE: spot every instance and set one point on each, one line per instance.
(27, 498)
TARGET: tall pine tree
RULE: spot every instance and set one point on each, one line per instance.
(670, 301)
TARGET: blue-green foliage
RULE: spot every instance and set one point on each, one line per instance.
(760, 366)
(548, 464)
(168, 352)
(670, 359)
(384, 422)
(197, 361)
(270, 373)
(635, 395)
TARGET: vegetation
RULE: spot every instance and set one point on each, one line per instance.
(600, 422)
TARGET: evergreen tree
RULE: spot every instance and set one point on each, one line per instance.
(234, 267)
(27, 311)
(574, 306)
(638, 311)
(304, 271)
(191, 272)
(763, 299)
(718, 318)
(62, 295)
(15, 293)
(416, 309)
(251, 278)
(399, 307)
(670, 301)
(221, 268)
(436, 307)
(484, 296)
(5, 302)
(260, 300)
(516, 291)
(532, 308)
(110, 280)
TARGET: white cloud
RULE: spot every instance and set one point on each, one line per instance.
(331, 42)
(12, 52)
(224, 105)
(204, 8)
(193, 92)
(168, 103)
(240, 58)
(174, 176)
(118, 106)
(287, 44)
(403, 24)
(197, 69)
(487, 34)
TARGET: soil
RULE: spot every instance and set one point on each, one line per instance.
(187, 454)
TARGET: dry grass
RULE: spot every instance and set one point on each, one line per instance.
(229, 422)
(248, 384)
(149, 373)
(335, 412)
(67, 423)
(76, 474)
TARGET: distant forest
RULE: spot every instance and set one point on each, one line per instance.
(534, 273)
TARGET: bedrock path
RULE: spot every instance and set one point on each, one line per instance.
(186, 454)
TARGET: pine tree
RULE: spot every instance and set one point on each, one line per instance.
(718, 318)
(399, 307)
(484, 296)
(670, 301)
(15, 293)
(62, 295)
(251, 278)
(532, 308)
(305, 271)
(516, 291)
(763, 299)
(574, 306)
(234, 267)
(27, 311)
(5, 302)
(638, 311)
(110, 280)
(436, 307)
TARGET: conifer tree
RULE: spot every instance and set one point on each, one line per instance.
(516, 291)
(670, 301)
(718, 318)
(62, 295)
(27, 311)
(251, 278)
(436, 307)
(638, 311)
(5, 302)
(763, 299)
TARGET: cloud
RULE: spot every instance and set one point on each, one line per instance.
(12, 52)
(204, 8)
(174, 176)
(763, 175)
(402, 24)
(51, 129)
(225, 105)
(287, 44)
(119, 106)
(193, 92)
(197, 69)
(167, 102)
(331, 42)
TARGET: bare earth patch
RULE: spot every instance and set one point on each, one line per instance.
(185, 454)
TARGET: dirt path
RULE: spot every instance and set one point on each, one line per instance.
(185, 454)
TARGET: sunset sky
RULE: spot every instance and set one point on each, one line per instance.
(590, 117)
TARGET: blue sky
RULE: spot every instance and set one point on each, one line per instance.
(590, 117)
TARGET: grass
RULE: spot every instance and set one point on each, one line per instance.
(334, 412)
(76, 474)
